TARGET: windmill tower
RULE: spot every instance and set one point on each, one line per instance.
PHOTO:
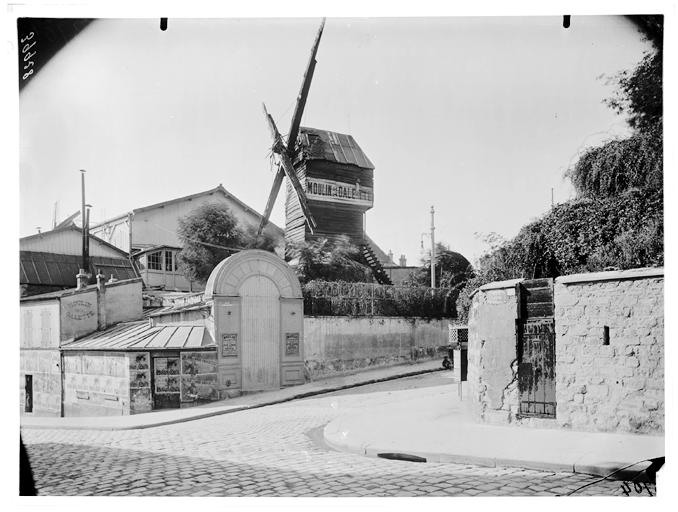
(330, 181)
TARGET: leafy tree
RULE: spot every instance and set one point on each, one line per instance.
(451, 269)
(617, 219)
(325, 259)
(211, 233)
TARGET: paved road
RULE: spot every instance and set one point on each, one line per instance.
(272, 451)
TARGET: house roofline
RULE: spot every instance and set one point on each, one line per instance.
(219, 188)
(73, 227)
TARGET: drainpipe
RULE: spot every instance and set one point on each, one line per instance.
(62, 371)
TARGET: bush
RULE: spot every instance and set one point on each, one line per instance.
(340, 298)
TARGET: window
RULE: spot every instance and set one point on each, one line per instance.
(154, 260)
(168, 261)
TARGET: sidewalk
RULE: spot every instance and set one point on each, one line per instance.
(169, 416)
(435, 424)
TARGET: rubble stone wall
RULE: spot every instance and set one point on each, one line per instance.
(617, 386)
(609, 364)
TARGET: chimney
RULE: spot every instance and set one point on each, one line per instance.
(403, 260)
(81, 279)
(101, 301)
(101, 279)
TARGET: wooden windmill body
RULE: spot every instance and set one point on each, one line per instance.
(330, 181)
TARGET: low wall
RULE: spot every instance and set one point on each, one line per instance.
(609, 358)
(614, 384)
(336, 344)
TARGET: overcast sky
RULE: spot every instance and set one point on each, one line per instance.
(479, 117)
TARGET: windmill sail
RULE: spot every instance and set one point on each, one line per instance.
(292, 139)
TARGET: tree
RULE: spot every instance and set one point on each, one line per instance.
(209, 234)
(617, 218)
(451, 269)
(329, 260)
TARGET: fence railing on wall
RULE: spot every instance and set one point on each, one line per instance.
(339, 298)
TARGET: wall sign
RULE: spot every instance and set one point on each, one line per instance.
(229, 345)
(338, 192)
(292, 344)
(79, 310)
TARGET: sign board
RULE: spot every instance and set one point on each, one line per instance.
(339, 192)
(292, 344)
(229, 345)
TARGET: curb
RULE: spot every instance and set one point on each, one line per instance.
(330, 435)
(234, 409)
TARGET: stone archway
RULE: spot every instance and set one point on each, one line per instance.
(258, 317)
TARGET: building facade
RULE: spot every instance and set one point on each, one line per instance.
(150, 234)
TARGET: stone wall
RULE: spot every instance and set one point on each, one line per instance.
(615, 382)
(336, 345)
(609, 363)
(492, 350)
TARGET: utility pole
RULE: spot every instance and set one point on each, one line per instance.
(551, 197)
(83, 217)
(433, 249)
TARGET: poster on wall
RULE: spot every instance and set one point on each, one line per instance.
(292, 344)
(229, 345)
(193, 363)
(166, 365)
(139, 379)
(199, 376)
(166, 383)
(138, 361)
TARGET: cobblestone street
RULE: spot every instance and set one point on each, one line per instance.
(271, 451)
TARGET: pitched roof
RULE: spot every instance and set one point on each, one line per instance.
(48, 269)
(141, 335)
(70, 226)
(336, 147)
(220, 189)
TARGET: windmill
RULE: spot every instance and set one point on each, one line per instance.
(329, 180)
(286, 152)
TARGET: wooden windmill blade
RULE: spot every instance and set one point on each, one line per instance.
(303, 94)
(280, 149)
(292, 139)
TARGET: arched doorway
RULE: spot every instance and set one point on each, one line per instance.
(257, 322)
(260, 324)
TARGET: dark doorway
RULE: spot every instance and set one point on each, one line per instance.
(536, 347)
(28, 388)
(166, 381)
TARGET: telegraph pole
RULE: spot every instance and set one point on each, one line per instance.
(83, 216)
(433, 249)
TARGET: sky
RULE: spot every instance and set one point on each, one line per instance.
(479, 117)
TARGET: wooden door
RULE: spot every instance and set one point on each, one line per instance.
(166, 381)
(536, 340)
(260, 328)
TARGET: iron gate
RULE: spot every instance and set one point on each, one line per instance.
(536, 344)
